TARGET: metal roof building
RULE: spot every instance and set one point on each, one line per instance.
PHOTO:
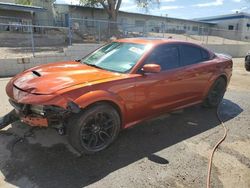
(18, 14)
(129, 19)
(21, 8)
(41, 14)
(215, 19)
(235, 26)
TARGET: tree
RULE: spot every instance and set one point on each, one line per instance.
(112, 6)
(24, 2)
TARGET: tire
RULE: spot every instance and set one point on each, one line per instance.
(94, 129)
(247, 63)
(215, 94)
(247, 68)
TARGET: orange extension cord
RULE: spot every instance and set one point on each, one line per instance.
(215, 147)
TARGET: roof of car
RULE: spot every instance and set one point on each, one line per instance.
(157, 41)
(149, 40)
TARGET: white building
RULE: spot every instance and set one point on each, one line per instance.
(234, 26)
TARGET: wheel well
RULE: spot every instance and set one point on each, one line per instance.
(114, 105)
(224, 77)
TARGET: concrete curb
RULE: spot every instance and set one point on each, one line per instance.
(11, 67)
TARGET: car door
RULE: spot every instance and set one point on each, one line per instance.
(158, 92)
(195, 63)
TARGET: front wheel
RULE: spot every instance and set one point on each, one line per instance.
(215, 94)
(94, 129)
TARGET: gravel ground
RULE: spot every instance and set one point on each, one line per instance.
(169, 151)
(20, 52)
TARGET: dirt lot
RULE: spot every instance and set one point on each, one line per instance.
(199, 39)
(20, 52)
(170, 151)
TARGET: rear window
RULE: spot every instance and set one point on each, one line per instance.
(190, 55)
(205, 54)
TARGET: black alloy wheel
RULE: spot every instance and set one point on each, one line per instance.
(94, 129)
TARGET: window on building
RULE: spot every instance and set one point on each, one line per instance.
(152, 24)
(139, 23)
(195, 28)
(123, 20)
(230, 27)
(248, 26)
(205, 30)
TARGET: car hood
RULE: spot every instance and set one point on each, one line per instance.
(47, 79)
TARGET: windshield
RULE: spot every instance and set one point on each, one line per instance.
(116, 56)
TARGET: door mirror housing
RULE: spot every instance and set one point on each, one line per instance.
(151, 68)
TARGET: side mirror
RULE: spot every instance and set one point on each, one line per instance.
(151, 68)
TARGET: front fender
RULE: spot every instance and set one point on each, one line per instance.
(101, 95)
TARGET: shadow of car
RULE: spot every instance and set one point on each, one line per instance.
(56, 166)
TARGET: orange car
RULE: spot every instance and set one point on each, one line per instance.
(115, 87)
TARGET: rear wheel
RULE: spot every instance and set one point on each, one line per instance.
(215, 94)
(247, 62)
(247, 67)
(94, 129)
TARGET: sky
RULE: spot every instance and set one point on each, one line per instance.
(186, 9)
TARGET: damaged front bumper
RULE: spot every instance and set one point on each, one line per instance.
(41, 110)
(41, 115)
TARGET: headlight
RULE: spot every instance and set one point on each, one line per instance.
(37, 109)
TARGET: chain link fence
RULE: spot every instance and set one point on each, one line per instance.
(19, 40)
(87, 30)
(23, 39)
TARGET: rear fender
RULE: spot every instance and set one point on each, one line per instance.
(211, 82)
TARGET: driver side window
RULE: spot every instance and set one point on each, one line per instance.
(167, 56)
